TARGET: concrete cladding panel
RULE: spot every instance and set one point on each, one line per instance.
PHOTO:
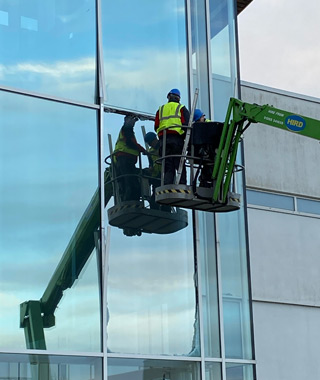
(287, 341)
(284, 257)
(278, 160)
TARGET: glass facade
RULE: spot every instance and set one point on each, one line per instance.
(89, 290)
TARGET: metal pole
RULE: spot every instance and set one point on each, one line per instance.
(186, 140)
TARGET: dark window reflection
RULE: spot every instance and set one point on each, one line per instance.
(239, 371)
(125, 369)
(18, 367)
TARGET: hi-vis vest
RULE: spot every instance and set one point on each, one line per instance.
(156, 168)
(170, 117)
(121, 146)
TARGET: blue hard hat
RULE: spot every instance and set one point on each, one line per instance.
(174, 91)
(197, 114)
(150, 136)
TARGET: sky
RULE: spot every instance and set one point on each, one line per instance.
(279, 45)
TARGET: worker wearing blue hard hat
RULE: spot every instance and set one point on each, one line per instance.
(172, 117)
(199, 116)
(149, 137)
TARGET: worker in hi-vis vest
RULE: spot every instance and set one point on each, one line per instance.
(172, 117)
(126, 154)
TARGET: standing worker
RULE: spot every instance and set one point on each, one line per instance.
(126, 154)
(172, 117)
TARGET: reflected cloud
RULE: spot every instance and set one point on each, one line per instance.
(61, 69)
(157, 70)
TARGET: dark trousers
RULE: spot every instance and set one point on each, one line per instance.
(174, 146)
(129, 187)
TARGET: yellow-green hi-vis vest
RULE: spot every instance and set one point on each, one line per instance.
(121, 146)
(169, 117)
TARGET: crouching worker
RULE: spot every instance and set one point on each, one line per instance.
(126, 154)
(154, 169)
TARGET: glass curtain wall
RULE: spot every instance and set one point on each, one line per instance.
(177, 306)
(49, 190)
(231, 228)
(151, 288)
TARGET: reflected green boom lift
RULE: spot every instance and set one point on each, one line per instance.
(35, 315)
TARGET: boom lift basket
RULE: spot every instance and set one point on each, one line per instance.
(142, 215)
(200, 156)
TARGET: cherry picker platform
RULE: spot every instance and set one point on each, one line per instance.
(143, 214)
(184, 196)
(204, 192)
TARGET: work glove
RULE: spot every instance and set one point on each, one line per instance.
(130, 120)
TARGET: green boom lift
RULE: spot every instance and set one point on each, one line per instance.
(222, 195)
(35, 315)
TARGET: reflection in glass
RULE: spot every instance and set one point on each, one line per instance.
(237, 371)
(222, 55)
(49, 47)
(200, 70)
(145, 52)
(48, 175)
(213, 371)
(128, 369)
(151, 294)
(44, 367)
(236, 301)
(210, 302)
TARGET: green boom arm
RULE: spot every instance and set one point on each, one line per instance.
(239, 116)
(35, 315)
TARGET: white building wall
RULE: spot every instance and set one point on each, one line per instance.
(278, 160)
(284, 245)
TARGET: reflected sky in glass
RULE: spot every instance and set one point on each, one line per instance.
(144, 52)
(48, 174)
(49, 47)
(151, 294)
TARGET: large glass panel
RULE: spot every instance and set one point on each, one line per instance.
(151, 294)
(200, 70)
(223, 57)
(145, 53)
(48, 176)
(49, 47)
(147, 369)
(231, 226)
(236, 300)
(44, 367)
(210, 302)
